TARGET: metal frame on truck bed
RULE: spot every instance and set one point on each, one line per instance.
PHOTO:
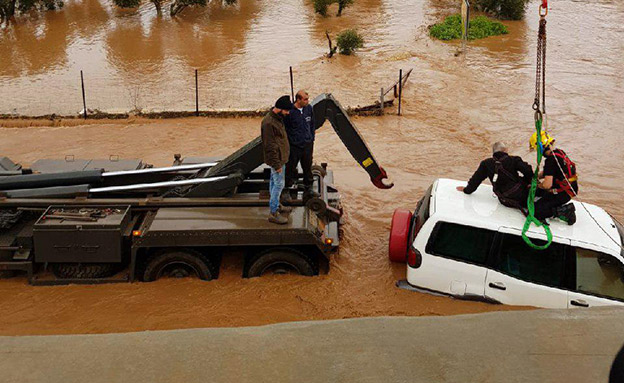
(101, 221)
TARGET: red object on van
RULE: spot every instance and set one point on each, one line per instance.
(399, 235)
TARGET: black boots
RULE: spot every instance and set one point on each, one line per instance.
(566, 213)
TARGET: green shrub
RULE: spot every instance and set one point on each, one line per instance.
(320, 6)
(348, 41)
(480, 27)
(504, 9)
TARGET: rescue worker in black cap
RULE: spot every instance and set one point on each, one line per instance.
(276, 152)
(510, 177)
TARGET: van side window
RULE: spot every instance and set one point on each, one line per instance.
(459, 242)
(546, 267)
(599, 274)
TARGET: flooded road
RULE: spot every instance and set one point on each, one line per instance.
(454, 108)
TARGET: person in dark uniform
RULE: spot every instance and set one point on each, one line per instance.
(510, 177)
(558, 182)
(301, 133)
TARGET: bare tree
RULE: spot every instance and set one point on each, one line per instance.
(342, 4)
(332, 49)
(9, 8)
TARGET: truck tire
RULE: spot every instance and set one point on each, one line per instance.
(83, 270)
(6, 274)
(281, 261)
(179, 263)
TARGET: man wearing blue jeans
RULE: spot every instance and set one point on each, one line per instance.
(276, 152)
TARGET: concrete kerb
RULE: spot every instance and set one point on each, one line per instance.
(524, 346)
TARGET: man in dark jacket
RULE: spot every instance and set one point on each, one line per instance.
(276, 151)
(300, 129)
(510, 177)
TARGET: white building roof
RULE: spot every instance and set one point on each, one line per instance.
(482, 209)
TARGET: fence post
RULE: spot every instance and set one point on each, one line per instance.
(400, 88)
(292, 86)
(84, 99)
(381, 101)
(196, 95)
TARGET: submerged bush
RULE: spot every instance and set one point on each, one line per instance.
(504, 9)
(320, 6)
(348, 41)
(480, 27)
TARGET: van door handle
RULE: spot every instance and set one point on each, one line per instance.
(498, 285)
(579, 303)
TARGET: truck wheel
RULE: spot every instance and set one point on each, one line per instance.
(83, 270)
(281, 261)
(6, 274)
(179, 263)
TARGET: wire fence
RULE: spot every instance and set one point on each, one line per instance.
(175, 94)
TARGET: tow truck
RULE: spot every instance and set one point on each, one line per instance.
(120, 220)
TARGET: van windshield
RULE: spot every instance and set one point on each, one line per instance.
(421, 215)
(422, 209)
(620, 230)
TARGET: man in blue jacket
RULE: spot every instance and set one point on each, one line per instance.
(300, 130)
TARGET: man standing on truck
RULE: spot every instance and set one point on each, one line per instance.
(559, 182)
(300, 129)
(276, 152)
(510, 177)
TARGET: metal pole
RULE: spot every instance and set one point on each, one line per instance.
(381, 100)
(196, 95)
(84, 99)
(292, 86)
(400, 88)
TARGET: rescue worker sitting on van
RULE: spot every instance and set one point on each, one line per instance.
(558, 182)
(510, 177)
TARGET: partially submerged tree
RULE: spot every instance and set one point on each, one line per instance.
(176, 7)
(320, 6)
(9, 8)
(332, 49)
(342, 4)
(349, 41)
(504, 9)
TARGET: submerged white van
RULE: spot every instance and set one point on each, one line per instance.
(470, 247)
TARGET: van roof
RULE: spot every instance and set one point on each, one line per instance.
(482, 209)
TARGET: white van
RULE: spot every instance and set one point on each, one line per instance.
(470, 247)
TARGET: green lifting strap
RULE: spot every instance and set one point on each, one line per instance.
(531, 200)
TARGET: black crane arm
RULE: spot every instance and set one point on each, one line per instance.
(326, 107)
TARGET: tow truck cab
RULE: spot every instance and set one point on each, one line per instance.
(471, 247)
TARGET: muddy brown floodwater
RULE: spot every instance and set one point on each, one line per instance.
(454, 107)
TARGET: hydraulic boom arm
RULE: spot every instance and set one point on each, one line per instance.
(326, 107)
